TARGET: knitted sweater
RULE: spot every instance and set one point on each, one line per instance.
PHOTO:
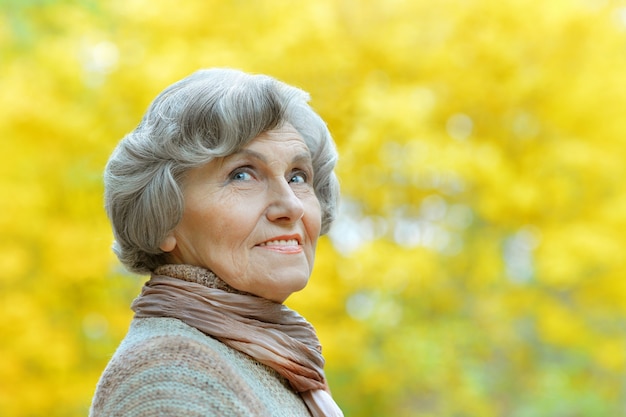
(164, 367)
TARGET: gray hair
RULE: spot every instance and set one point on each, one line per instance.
(211, 113)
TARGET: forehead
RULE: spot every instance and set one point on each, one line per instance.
(285, 140)
(276, 147)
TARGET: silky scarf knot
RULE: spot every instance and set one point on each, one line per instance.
(267, 331)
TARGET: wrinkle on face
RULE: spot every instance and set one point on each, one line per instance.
(225, 220)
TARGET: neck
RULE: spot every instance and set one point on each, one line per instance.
(196, 274)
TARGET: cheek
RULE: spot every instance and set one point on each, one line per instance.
(234, 227)
(314, 219)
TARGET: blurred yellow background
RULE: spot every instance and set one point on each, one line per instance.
(477, 267)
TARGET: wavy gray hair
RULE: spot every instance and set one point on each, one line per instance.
(211, 113)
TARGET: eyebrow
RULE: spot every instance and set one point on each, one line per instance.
(301, 157)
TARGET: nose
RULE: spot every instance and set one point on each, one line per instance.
(284, 205)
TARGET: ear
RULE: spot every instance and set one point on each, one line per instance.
(168, 244)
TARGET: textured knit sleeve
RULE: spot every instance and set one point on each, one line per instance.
(172, 376)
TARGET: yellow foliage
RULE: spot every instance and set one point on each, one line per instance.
(476, 267)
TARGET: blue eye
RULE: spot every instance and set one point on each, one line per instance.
(298, 178)
(240, 176)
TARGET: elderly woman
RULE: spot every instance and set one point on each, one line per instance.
(220, 194)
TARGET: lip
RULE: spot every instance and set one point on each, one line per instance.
(285, 249)
(295, 237)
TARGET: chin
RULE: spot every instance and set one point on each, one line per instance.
(299, 284)
(287, 292)
(299, 287)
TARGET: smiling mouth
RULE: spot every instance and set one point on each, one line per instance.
(283, 243)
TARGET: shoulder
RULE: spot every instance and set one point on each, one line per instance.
(164, 367)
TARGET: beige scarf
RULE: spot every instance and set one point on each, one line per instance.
(268, 331)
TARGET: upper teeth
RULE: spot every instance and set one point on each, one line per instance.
(291, 242)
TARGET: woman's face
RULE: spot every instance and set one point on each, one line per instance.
(253, 217)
